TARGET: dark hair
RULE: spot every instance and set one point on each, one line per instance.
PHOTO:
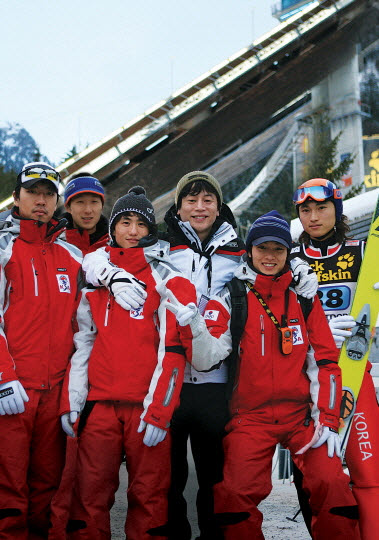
(80, 175)
(17, 189)
(194, 189)
(152, 227)
(341, 229)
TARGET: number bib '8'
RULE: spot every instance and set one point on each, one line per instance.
(337, 273)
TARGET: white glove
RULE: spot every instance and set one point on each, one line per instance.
(376, 285)
(184, 314)
(67, 421)
(12, 397)
(333, 440)
(340, 328)
(128, 291)
(153, 436)
(305, 279)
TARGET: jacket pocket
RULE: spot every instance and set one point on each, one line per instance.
(171, 387)
(332, 397)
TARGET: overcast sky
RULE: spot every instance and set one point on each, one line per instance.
(74, 71)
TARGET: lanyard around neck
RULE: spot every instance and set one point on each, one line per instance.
(285, 332)
(268, 310)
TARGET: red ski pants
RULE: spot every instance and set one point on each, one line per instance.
(362, 458)
(249, 448)
(61, 503)
(32, 448)
(111, 430)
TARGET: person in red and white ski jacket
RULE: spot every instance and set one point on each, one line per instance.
(282, 396)
(125, 378)
(87, 227)
(40, 280)
(130, 354)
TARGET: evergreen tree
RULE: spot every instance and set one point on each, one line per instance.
(7, 183)
(71, 153)
(370, 98)
(323, 156)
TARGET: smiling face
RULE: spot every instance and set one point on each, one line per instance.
(317, 218)
(38, 202)
(269, 258)
(129, 230)
(85, 209)
(201, 211)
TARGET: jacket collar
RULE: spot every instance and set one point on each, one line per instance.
(222, 232)
(100, 233)
(245, 272)
(141, 255)
(33, 231)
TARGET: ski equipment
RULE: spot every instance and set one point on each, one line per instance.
(356, 349)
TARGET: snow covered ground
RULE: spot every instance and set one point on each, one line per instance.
(280, 505)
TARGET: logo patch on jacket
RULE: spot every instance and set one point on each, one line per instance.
(211, 315)
(137, 313)
(63, 283)
(297, 336)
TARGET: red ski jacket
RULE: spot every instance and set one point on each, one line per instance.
(269, 383)
(84, 241)
(39, 287)
(133, 356)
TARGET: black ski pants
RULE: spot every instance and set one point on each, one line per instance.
(201, 417)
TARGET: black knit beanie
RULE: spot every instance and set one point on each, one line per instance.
(134, 201)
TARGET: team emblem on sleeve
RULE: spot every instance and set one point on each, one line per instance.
(297, 336)
(211, 315)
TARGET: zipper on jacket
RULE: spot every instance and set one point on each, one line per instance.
(171, 387)
(7, 297)
(107, 309)
(35, 277)
(332, 398)
(156, 320)
(262, 334)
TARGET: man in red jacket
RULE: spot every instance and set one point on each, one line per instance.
(39, 284)
(126, 376)
(87, 229)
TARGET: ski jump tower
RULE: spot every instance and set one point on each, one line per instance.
(215, 116)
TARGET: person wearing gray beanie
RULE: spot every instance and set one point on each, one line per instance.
(206, 249)
(189, 179)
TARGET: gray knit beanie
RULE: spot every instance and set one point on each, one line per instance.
(194, 176)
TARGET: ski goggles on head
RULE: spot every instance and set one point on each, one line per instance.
(33, 174)
(317, 193)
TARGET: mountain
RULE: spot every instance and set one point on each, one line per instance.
(17, 147)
